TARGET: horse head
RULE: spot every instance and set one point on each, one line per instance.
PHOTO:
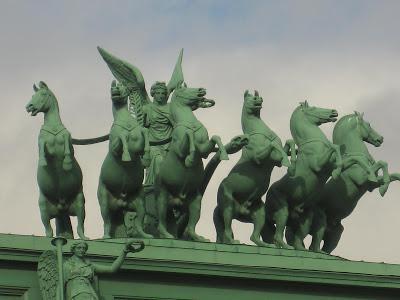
(355, 123)
(42, 99)
(191, 97)
(252, 104)
(316, 115)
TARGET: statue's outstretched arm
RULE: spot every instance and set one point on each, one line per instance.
(116, 265)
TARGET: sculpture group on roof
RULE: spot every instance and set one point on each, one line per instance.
(152, 180)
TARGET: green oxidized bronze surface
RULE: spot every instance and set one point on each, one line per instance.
(239, 195)
(120, 184)
(59, 175)
(339, 196)
(78, 272)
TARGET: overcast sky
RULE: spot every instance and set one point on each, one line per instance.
(336, 54)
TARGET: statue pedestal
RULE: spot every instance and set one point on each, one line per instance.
(172, 269)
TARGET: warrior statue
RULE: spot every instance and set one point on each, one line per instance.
(79, 273)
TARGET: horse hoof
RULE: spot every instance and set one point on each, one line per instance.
(146, 235)
(383, 189)
(42, 162)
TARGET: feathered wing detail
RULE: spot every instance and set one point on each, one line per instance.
(47, 271)
(132, 79)
(177, 75)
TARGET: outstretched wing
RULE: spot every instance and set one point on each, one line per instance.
(177, 75)
(48, 274)
(132, 79)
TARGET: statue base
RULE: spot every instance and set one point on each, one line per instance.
(174, 269)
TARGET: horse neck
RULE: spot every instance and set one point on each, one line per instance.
(121, 113)
(251, 122)
(303, 129)
(52, 115)
(350, 139)
(182, 113)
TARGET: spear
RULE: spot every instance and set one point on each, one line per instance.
(59, 242)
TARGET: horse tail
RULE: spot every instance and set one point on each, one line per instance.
(91, 141)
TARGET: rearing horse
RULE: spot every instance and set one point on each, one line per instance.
(59, 175)
(339, 197)
(120, 185)
(317, 159)
(179, 182)
(239, 194)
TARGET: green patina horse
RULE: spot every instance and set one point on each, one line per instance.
(317, 159)
(339, 197)
(179, 183)
(239, 195)
(120, 185)
(59, 175)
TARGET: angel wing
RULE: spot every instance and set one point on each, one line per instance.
(48, 275)
(177, 75)
(132, 79)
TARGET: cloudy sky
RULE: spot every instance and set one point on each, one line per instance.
(336, 54)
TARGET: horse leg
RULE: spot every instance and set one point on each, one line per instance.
(217, 140)
(45, 214)
(285, 160)
(338, 161)
(290, 149)
(258, 220)
(385, 175)
(318, 231)
(125, 149)
(268, 231)
(348, 162)
(42, 152)
(226, 202)
(280, 215)
(189, 160)
(138, 206)
(146, 159)
(194, 216)
(67, 162)
(78, 209)
(162, 197)
(219, 224)
(332, 237)
(303, 229)
(105, 198)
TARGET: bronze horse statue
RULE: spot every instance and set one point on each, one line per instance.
(317, 159)
(58, 174)
(179, 183)
(120, 185)
(339, 196)
(239, 194)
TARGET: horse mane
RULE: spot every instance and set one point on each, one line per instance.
(344, 124)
